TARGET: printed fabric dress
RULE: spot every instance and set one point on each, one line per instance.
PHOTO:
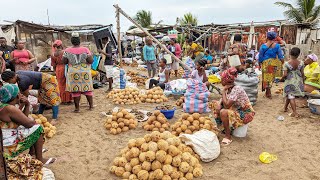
(79, 77)
(17, 139)
(293, 84)
(240, 112)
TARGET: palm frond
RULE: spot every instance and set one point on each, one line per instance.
(284, 4)
(315, 14)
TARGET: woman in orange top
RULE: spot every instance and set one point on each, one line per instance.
(22, 58)
(59, 68)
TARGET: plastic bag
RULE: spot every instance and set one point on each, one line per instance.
(205, 143)
(267, 158)
(47, 174)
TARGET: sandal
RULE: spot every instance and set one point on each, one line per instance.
(226, 141)
(44, 150)
(50, 161)
(76, 111)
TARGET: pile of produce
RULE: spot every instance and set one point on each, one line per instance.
(134, 64)
(180, 72)
(154, 95)
(157, 122)
(49, 129)
(158, 156)
(121, 121)
(279, 91)
(189, 124)
(138, 114)
(165, 107)
(136, 78)
(128, 96)
(180, 101)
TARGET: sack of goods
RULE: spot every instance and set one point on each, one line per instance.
(249, 82)
(119, 78)
(196, 97)
(190, 64)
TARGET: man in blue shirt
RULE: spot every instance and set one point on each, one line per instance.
(208, 57)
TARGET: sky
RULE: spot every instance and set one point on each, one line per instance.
(78, 12)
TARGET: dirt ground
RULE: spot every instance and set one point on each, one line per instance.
(85, 150)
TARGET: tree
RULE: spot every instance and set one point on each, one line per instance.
(144, 18)
(305, 12)
(189, 19)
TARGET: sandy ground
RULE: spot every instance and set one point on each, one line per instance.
(85, 150)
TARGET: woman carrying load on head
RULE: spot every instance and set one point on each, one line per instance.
(46, 84)
(59, 68)
(270, 60)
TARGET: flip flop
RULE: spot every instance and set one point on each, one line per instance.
(50, 161)
(226, 141)
(296, 116)
(76, 111)
(44, 150)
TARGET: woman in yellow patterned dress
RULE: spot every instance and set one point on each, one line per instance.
(270, 60)
(79, 79)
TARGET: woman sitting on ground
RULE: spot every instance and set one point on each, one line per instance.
(234, 109)
(46, 84)
(29, 134)
(199, 73)
(163, 76)
(311, 73)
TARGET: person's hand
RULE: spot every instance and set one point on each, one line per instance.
(23, 100)
(227, 87)
(100, 51)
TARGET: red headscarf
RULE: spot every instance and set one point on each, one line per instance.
(56, 43)
(229, 75)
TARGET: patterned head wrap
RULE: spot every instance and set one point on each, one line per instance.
(313, 57)
(272, 35)
(8, 92)
(229, 75)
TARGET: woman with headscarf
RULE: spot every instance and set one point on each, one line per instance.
(311, 73)
(46, 84)
(22, 58)
(270, 60)
(29, 135)
(234, 109)
(79, 79)
(59, 68)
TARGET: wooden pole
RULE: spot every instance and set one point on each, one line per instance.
(119, 36)
(150, 36)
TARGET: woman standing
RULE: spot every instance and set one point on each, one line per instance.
(237, 48)
(312, 73)
(270, 60)
(59, 68)
(150, 58)
(46, 84)
(29, 134)
(79, 79)
(22, 58)
(236, 109)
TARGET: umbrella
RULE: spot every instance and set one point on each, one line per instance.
(165, 39)
(136, 32)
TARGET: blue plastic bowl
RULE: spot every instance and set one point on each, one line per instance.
(168, 113)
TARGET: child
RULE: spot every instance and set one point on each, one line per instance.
(163, 76)
(293, 85)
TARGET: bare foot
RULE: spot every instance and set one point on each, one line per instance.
(76, 111)
(296, 115)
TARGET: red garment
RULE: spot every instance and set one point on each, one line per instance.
(23, 55)
(178, 50)
(60, 70)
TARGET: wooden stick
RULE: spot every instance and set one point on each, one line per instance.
(119, 36)
(150, 36)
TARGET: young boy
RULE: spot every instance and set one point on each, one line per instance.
(293, 77)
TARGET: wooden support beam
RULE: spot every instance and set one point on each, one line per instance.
(119, 36)
(150, 36)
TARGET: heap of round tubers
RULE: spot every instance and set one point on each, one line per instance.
(49, 129)
(188, 124)
(135, 78)
(157, 122)
(155, 95)
(121, 121)
(128, 96)
(157, 156)
(180, 72)
(180, 101)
